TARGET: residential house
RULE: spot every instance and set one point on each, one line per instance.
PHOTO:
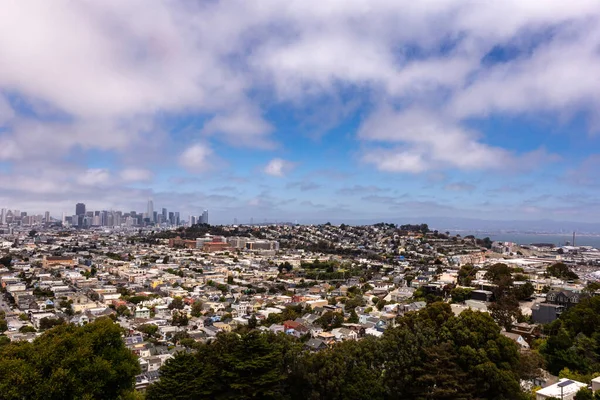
(315, 345)
(344, 334)
(564, 297)
(544, 313)
(80, 319)
(518, 339)
(222, 326)
(565, 389)
(596, 384)
(142, 312)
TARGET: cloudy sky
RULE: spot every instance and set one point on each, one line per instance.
(307, 110)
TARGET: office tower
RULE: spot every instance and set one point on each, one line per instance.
(64, 218)
(117, 218)
(150, 210)
(3, 217)
(177, 220)
(204, 217)
(164, 215)
(47, 216)
(80, 209)
(80, 213)
(23, 214)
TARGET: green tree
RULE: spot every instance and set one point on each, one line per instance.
(466, 274)
(584, 394)
(353, 319)
(48, 323)
(249, 366)
(573, 341)
(197, 308)
(123, 310)
(148, 329)
(562, 271)
(430, 354)
(6, 261)
(498, 272)
(179, 319)
(252, 322)
(592, 287)
(505, 311)
(459, 295)
(330, 320)
(69, 362)
(525, 291)
(176, 304)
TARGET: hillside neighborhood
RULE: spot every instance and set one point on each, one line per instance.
(172, 289)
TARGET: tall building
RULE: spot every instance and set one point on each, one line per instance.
(47, 216)
(80, 214)
(150, 210)
(80, 209)
(3, 217)
(164, 215)
(204, 217)
(177, 219)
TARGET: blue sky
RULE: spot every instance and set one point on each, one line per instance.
(303, 110)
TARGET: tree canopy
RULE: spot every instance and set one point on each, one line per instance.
(574, 339)
(431, 354)
(69, 362)
(561, 271)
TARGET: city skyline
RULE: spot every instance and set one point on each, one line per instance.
(294, 111)
(84, 217)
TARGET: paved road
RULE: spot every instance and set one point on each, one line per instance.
(4, 306)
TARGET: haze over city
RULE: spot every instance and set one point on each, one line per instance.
(295, 111)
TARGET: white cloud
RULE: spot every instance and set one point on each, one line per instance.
(196, 158)
(278, 167)
(240, 128)
(105, 81)
(430, 142)
(6, 111)
(94, 177)
(136, 175)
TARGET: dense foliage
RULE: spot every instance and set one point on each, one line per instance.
(561, 271)
(431, 354)
(574, 339)
(69, 362)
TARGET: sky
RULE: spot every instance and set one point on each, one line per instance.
(307, 111)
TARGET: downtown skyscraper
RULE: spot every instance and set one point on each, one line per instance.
(150, 210)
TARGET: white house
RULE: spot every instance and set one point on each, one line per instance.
(564, 389)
